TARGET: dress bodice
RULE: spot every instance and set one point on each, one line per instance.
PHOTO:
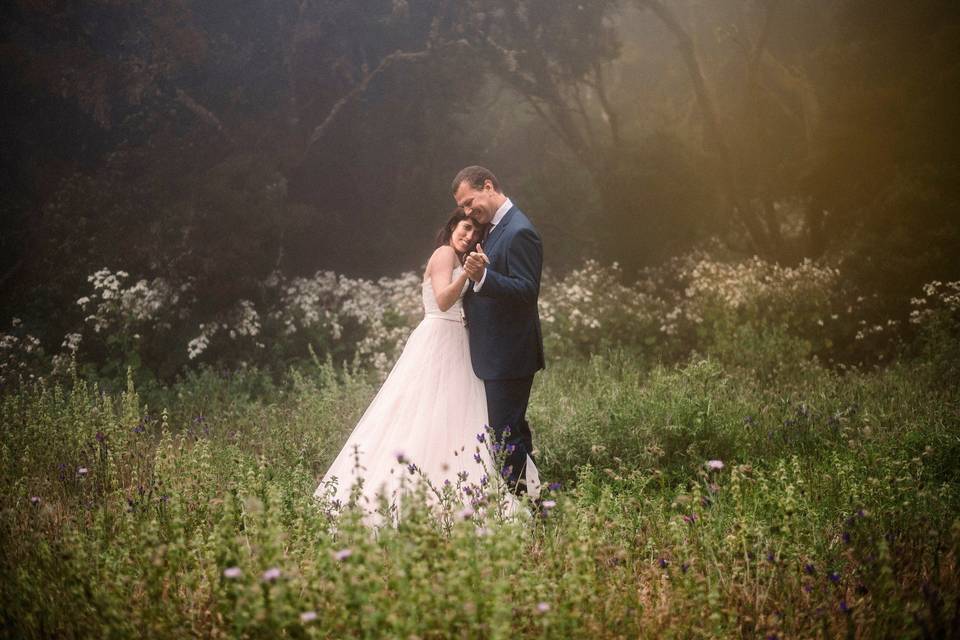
(430, 308)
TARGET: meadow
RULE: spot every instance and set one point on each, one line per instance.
(723, 462)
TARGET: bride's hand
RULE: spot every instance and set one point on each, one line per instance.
(476, 264)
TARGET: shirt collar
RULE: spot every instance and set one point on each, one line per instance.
(502, 211)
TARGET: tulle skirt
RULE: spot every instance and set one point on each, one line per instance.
(423, 423)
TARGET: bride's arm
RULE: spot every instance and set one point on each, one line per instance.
(440, 268)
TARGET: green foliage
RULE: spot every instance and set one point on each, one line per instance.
(828, 507)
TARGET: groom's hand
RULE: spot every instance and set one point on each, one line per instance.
(476, 264)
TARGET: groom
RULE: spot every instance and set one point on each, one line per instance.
(506, 345)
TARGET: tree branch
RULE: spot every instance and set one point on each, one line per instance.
(204, 114)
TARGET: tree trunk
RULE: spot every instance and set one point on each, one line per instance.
(759, 237)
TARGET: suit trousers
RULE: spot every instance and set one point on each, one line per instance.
(506, 408)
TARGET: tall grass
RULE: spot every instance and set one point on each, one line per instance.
(829, 509)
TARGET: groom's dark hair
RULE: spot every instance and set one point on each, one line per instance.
(475, 176)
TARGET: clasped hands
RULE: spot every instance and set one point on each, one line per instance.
(476, 263)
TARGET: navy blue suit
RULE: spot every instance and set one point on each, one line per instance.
(506, 345)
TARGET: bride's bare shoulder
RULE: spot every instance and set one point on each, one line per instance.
(444, 256)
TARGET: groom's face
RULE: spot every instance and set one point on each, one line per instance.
(476, 203)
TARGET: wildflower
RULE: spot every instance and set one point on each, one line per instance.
(543, 607)
(232, 573)
(34, 500)
(663, 562)
(477, 457)
(343, 554)
(401, 457)
(462, 476)
(834, 577)
(481, 438)
(548, 504)
(466, 513)
(809, 568)
(714, 465)
(412, 468)
(308, 616)
(271, 575)
(846, 537)
(844, 607)
(554, 486)
(82, 471)
(484, 480)
(511, 448)
(100, 437)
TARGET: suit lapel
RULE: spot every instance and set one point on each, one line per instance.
(498, 230)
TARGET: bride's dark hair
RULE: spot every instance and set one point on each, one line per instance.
(446, 231)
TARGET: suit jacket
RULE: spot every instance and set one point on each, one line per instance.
(503, 322)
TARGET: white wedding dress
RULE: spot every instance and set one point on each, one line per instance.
(428, 413)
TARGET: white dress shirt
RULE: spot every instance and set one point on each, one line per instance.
(497, 217)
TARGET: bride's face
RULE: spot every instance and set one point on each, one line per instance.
(464, 236)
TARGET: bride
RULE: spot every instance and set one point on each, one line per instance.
(428, 419)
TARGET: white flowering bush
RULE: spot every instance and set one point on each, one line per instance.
(370, 320)
(747, 312)
(936, 316)
(21, 354)
(591, 307)
(696, 302)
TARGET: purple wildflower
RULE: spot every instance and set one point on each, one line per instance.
(548, 504)
(271, 575)
(809, 568)
(342, 555)
(714, 465)
(554, 486)
(308, 616)
(844, 607)
(34, 500)
(466, 513)
(834, 577)
(232, 573)
(100, 437)
(484, 480)
(477, 457)
(543, 607)
(412, 468)
(481, 438)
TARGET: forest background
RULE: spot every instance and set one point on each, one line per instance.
(214, 149)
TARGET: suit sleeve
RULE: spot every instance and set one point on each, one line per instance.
(525, 259)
